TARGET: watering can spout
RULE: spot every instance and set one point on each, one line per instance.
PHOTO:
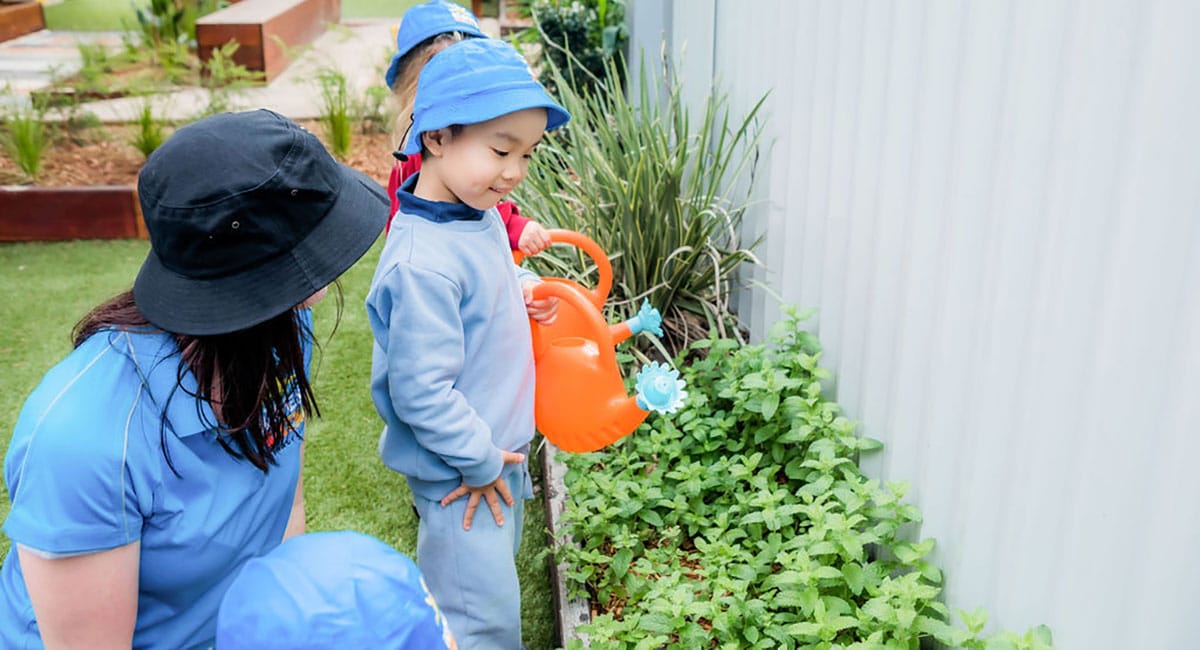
(648, 319)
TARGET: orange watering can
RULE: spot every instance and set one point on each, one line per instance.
(580, 403)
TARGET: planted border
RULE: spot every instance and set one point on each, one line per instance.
(744, 521)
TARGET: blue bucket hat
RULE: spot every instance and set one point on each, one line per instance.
(426, 20)
(330, 590)
(475, 81)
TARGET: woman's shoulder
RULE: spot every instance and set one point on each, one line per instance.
(92, 392)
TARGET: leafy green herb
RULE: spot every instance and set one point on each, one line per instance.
(745, 521)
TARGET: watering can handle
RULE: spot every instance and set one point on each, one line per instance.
(590, 315)
(599, 294)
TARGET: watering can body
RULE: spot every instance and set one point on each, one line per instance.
(580, 402)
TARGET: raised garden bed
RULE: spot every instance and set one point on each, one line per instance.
(87, 187)
(265, 30)
(744, 521)
(20, 19)
(58, 213)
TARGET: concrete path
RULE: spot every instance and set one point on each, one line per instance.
(359, 48)
(32, 61)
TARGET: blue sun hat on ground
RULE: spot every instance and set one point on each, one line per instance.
(330, 590)
(426, 20)
(474, 81)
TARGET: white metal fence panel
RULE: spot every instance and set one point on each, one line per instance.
(995, 208)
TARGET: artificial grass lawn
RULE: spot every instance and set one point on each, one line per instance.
(45, 288)
(115, 15)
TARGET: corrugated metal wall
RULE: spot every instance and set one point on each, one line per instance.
(995, 207)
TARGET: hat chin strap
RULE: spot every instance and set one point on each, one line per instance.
(399, 154)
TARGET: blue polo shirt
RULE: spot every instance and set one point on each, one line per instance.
(86, 472)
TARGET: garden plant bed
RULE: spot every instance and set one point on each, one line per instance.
(86, 187)
(743, 520)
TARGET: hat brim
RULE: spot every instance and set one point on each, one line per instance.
(393, 69)
(484, 107)
(201, 307)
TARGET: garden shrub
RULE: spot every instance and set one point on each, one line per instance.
(584, 39)
(744, 521)
(661, 189)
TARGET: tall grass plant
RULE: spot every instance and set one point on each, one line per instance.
(337, 110)
(26, 138)
(662, 190)
(151, 132)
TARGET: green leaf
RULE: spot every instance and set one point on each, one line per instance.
(655, 623)
(827, 573)
(879, 609)
(770, 404)
(804, 629)
(869, 444)
(1001, 642)
(975, 620)
(853, 573)
(620, 562)
(1041, 638)
(651, 517)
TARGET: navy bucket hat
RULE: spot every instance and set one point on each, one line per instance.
(330, 590)
(426, 20)
(476, 81)
(248, 216)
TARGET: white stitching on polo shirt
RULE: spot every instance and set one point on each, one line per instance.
(124, 459)
(37, 427)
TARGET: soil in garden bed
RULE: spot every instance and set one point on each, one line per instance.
(104, 156)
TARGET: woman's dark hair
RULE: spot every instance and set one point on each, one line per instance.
(254, 372)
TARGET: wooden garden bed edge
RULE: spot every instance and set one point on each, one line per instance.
(33, 213)
(571, 613)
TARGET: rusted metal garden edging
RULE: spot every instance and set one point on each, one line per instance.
(59, 213)
(571, 613)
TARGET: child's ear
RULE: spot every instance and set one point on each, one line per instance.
(435, 141)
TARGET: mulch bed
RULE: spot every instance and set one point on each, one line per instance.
(105, 157)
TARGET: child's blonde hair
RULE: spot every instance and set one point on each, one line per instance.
(405, 88)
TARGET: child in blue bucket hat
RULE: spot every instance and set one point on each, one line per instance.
(331, 590)
(452, 373)
(425, 30)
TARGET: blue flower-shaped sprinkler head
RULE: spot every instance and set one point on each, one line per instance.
(659, 388)
(646, 320)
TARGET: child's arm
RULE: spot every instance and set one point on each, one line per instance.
(424, 344)
(400, 173)
(393, 185)
(514, 223)
(524, 234)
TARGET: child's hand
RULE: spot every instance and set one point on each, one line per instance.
(491, 493)
(542, 311)
(534, 239)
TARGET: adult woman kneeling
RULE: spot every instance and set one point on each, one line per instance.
(165, 450)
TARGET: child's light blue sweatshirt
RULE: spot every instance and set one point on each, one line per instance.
(452, 371)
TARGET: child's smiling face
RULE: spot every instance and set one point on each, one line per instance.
(481, 163)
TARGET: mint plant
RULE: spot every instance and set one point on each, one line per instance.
(745, 521)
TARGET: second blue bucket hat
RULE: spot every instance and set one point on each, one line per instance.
(474, 81)
(426, 20)
(330, 590)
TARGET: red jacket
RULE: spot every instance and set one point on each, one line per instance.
(514, 223)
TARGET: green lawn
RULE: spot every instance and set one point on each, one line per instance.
(45, 288)
(115, 15)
